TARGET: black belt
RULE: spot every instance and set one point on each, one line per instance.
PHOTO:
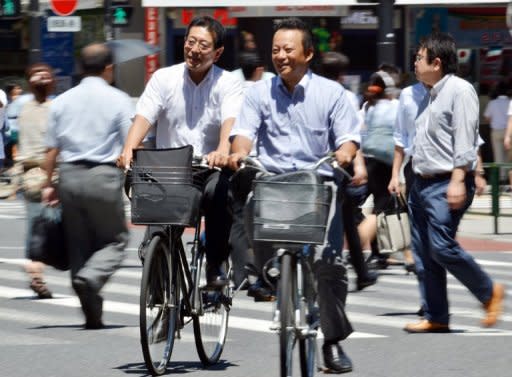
(91, 164)
(438, 176)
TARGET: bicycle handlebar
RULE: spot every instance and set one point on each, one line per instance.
(329, 158)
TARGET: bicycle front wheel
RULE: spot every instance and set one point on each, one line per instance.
(287, 302)
(211, 318)
(158, 306)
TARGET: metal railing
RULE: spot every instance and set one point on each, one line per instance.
(493, 170)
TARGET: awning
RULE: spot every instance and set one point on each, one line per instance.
(305, 3)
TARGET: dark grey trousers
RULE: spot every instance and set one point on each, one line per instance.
(94, 220)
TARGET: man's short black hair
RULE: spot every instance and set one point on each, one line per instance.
(94, 58)
(249, 61)
(294, 23)
(442, 46)
(333, 65)
(213, 26)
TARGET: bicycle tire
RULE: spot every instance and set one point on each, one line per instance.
(158, 306)
(309, 318)
(286, 303)
(211, 319)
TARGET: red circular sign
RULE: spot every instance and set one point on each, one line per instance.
(63, 7)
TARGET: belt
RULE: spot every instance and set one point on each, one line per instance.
(441, 176)
(91, 164)
(438, 176)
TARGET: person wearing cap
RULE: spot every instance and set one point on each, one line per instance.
(86, 130)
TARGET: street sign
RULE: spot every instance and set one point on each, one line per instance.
(64, 24)
(10, 9)
(63, 7)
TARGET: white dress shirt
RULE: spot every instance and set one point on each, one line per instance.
(184, 113)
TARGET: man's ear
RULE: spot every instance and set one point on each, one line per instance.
(218, 53)
(309, 54)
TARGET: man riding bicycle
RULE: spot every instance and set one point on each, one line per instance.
(195, 103)
(297, 118)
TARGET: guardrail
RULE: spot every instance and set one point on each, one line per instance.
(493, 170)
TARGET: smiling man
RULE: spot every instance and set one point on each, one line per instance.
(195, 103)
(299, 117)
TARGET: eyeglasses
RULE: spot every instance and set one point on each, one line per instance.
(203, 46)
(418, 57)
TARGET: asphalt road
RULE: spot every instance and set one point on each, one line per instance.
(45, 338)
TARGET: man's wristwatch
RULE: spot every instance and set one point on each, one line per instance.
(480, 172)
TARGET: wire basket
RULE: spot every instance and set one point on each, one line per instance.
(290, 212)
(164, 188)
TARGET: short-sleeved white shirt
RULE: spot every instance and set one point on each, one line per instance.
(185, 113)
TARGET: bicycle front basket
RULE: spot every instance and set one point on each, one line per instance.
(163, 189)
(290, 212)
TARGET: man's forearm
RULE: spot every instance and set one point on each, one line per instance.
(137, 132)
(398, 159)
(225, 130)
(50, 164)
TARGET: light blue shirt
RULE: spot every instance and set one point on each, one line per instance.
(409, 101)
(90, 122)
(294, 130)
(447, 128)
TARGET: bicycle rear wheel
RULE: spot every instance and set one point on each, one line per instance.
(211, 319)
(287, 303)
(159, 299)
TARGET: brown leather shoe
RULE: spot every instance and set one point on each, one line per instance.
(426, 326)
(494, 307)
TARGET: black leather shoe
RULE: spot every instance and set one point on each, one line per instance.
(370, 279)
(215, 277)
(260, 292)
(91, 302)
(335, 359)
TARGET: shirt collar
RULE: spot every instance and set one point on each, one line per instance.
(91, 79)
(301, 85)
(207, 78)
(439, 85)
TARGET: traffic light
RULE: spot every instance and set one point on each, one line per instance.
(120, 12)
(10, 9)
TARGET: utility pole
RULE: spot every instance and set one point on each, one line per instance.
(109, 30)
(386, 34)
(35, 32)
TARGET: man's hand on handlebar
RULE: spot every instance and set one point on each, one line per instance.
(217, 159)
(343, 158)
(235, 159)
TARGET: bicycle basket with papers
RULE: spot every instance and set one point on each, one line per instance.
(163, 188)
(290, 208)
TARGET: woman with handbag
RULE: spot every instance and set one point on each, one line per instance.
(32, 123)
(377, 145)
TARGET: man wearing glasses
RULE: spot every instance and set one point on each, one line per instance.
(195, 103)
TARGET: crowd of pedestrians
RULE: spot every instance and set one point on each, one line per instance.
(427, 133)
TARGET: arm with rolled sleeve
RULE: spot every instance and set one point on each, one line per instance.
(346, 130)
(465, 118)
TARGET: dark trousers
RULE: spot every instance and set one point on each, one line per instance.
(434, 226)
(352, 217)
(218, 216)
(94, 222)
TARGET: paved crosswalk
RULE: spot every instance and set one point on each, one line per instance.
(378, 312)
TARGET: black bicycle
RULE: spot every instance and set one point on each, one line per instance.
(174, 291)
(289, 213)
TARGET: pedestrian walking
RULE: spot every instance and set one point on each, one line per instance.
(32, 124)
(87, 127)
(444, 160)
(298, 117)
(195, 103)
(334, 66)
(496, 114)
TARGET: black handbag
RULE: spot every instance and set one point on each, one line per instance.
(48, 241)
